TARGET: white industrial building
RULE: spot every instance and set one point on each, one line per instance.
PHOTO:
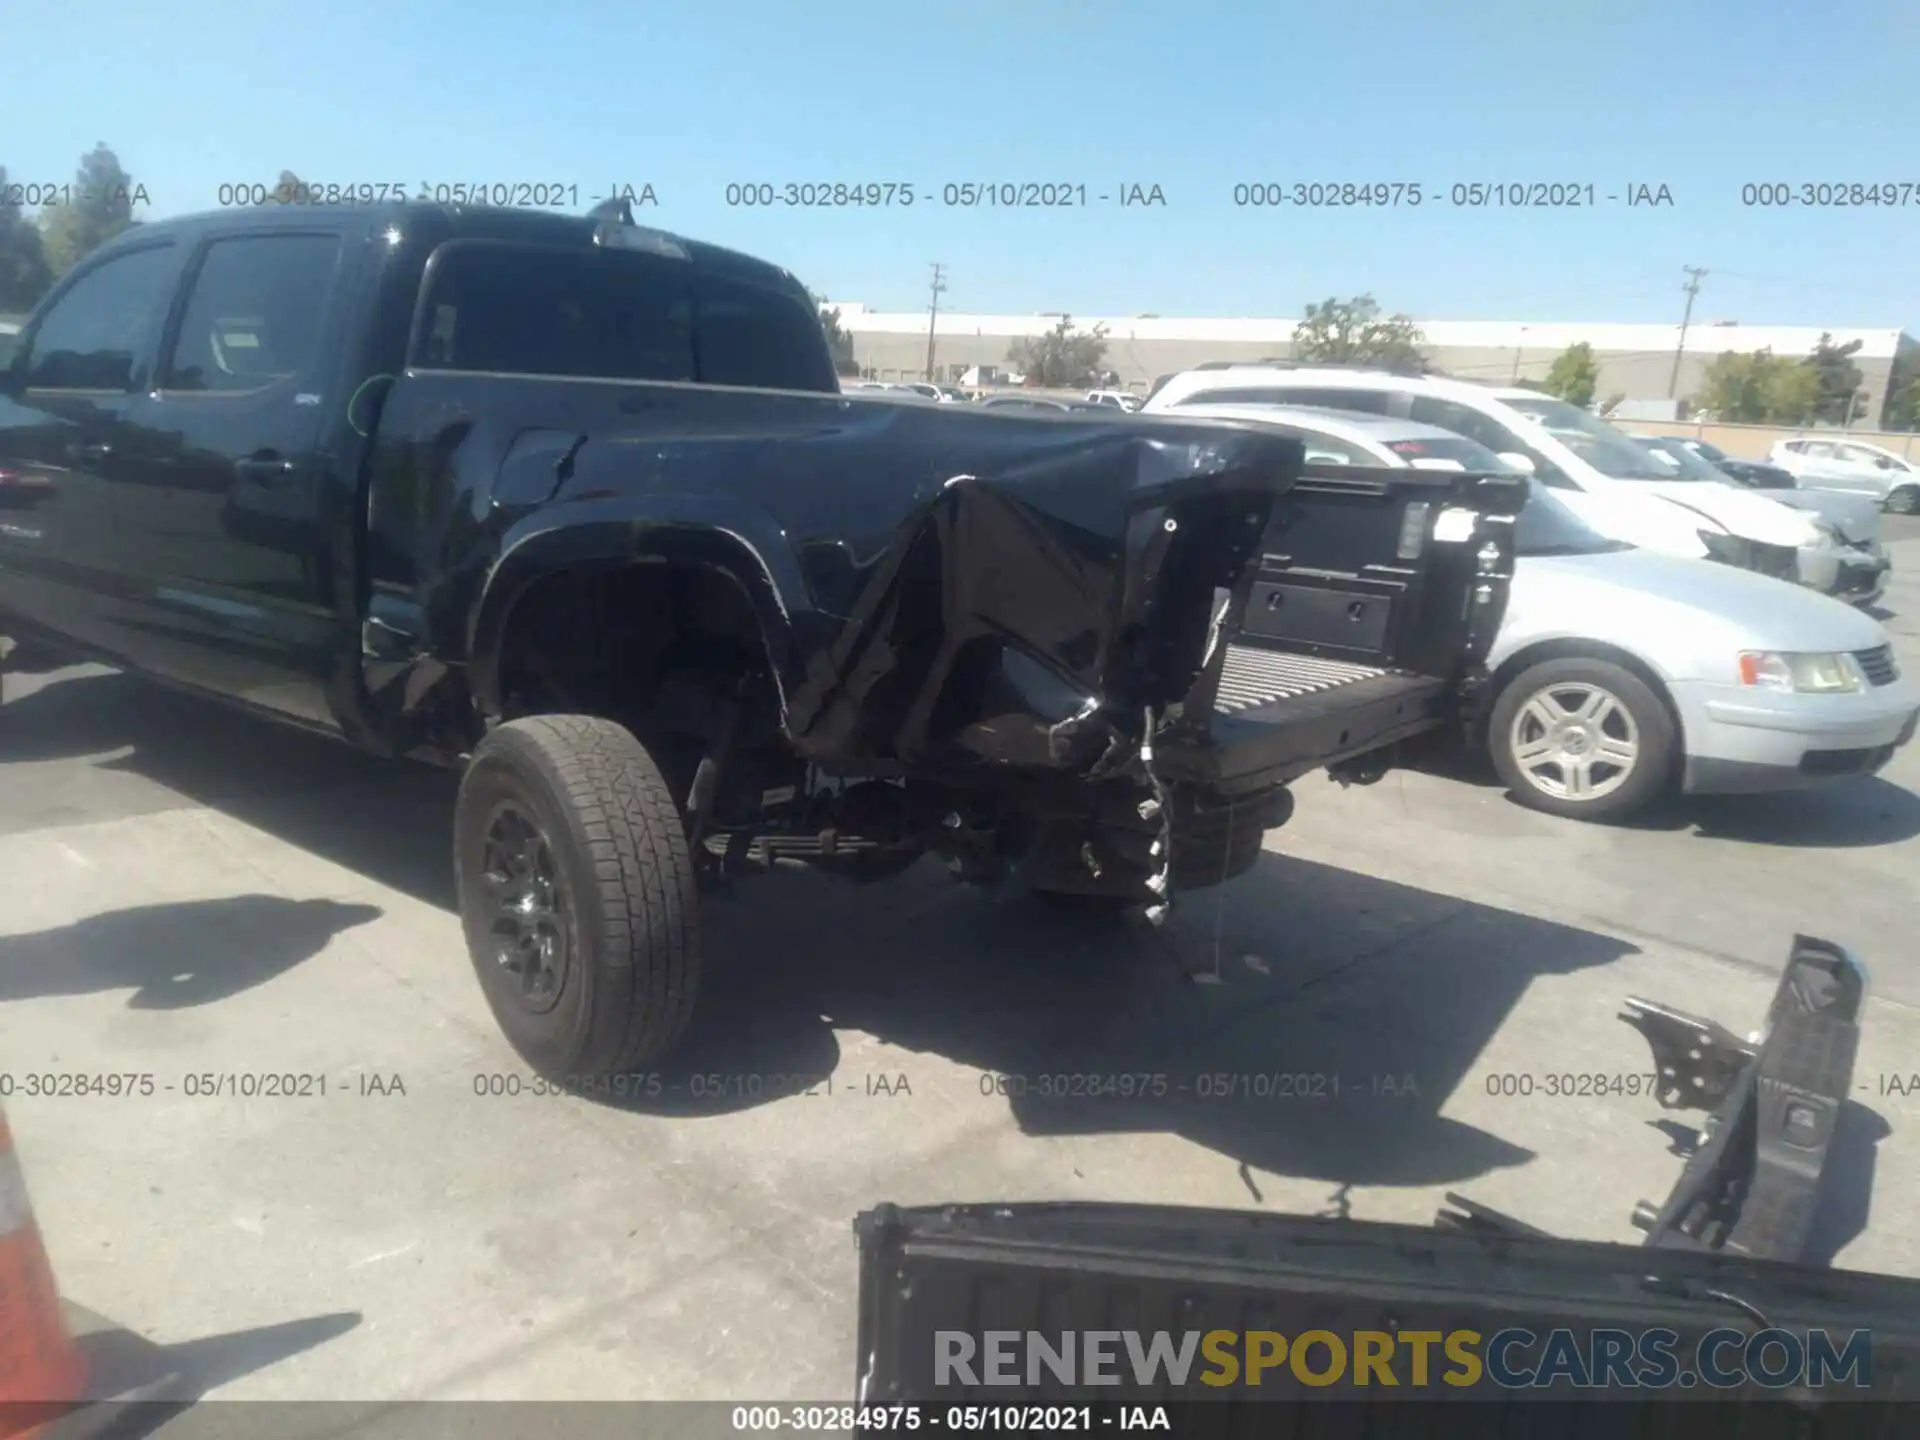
(1635, 360)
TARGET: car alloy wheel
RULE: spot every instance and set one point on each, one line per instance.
(1904, 501)
(528, 908)
(1575, 741)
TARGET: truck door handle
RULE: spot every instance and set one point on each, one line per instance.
(265, 466)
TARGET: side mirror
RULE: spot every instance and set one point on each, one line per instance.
(1514, 460)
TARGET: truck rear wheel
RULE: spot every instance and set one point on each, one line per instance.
(577, 895)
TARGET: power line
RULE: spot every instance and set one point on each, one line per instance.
(933, 312)
(1694, 276)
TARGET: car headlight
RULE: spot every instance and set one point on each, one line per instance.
(1802, 672)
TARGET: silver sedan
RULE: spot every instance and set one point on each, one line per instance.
(1622, 673)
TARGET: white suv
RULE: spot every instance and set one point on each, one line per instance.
(1854, 467)
(1602, 475)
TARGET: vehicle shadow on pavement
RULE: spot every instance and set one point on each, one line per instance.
(368, 814)
(1853, 813)
(1304, 1020)
(1849, 814)
(183, 953)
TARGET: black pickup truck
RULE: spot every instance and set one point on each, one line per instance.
(578, 506)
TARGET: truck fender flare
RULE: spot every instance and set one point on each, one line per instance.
(760, 564)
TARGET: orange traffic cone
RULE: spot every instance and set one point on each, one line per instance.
(42, 1373)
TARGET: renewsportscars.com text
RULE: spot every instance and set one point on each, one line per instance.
(1508, 1359)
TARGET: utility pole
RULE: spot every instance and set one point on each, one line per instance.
(933, 312)
(1694, 276)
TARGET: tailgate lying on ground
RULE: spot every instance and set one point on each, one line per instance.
(1725, 1249)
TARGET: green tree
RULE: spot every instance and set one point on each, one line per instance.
(1759, 388)
(1574, 375)
(1353, 332)
(24, 273)
(1062, 357)
(1902, 409)
(101, 207)
(838, 340)
(1793, 393)
(1836, 379)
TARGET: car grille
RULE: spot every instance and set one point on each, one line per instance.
(1878, 664)
(1255, 677)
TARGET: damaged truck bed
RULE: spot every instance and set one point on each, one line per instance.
(578, 507)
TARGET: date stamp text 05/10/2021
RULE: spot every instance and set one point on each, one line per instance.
(199, 1085)
(1510, 194)
(983, 194)
(495, 194)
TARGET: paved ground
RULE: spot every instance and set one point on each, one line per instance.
(189, 893)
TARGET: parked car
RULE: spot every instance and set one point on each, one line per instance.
(1032, 403)
(600, 530)
(1354, 437)
(1119, 399)
(1620, 674)
(1758, 474)
(1601, 474)
(1853, 466)
(927, 390)
(1861, 578)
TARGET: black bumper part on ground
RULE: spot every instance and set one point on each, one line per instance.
(1754, 1170)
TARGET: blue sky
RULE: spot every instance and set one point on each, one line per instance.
(1195, 98)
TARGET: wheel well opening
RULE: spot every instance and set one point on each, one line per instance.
(657, 646)
(1577, 649)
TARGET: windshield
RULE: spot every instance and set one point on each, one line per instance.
(1592, 439)
(1692, 466)
(1547, 527)
(1711, 452)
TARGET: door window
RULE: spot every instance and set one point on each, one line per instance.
(1818, 449)
(255, 313)
(1373, 402)
(98, 334)
(1867, 459)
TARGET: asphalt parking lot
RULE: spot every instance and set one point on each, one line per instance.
(194, 894)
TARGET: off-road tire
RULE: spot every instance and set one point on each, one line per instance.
(626, 897)
(1656, 737)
